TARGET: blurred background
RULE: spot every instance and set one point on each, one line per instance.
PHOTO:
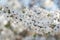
(46, 4)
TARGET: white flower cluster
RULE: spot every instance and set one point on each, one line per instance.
(35, 18)
(14, 19)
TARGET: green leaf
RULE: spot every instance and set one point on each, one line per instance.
(34, 35)
(8, 25)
